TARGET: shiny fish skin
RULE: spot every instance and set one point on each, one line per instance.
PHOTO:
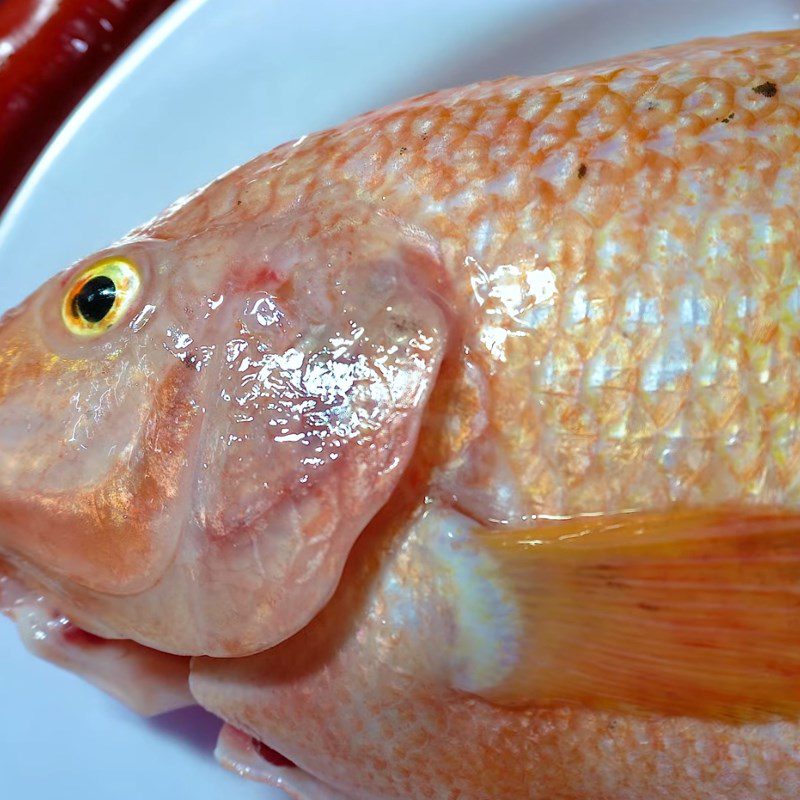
(595, 277)
(620, 242)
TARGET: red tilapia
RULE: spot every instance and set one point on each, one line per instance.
(452, 453)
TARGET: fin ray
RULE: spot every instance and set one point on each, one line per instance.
(692, 612)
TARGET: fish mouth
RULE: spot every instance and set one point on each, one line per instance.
(147, 681)
(250, 758)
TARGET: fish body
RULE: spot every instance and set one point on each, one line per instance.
(449, 453)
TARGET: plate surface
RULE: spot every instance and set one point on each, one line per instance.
(211, 84)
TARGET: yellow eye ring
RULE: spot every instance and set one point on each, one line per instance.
(100, 296)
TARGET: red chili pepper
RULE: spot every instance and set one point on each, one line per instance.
(51, 52)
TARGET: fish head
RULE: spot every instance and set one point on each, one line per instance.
(194, 430)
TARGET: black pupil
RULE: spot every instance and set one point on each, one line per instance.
(94, 300)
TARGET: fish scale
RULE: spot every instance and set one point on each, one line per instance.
(648, 199)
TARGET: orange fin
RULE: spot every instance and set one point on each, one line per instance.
(683, 612)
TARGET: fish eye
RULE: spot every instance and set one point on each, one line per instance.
(100, 296)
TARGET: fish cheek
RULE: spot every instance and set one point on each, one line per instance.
(116, 536)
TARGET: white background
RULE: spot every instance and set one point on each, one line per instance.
(211, 84)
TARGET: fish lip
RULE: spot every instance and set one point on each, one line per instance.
(17, 589)
(146, 680)
(11, 587)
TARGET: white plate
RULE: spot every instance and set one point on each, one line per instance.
(211, 84)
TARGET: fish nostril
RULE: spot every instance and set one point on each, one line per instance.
(272, 756)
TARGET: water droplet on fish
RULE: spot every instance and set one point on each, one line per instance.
(142, 318)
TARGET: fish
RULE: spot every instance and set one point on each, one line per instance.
(450, 453)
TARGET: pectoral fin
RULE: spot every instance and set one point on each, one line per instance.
(690, 612)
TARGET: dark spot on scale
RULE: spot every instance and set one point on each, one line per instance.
(238, 202)
(767, 89)
(272, 756)
(647, 607)
(651, 105)
(403, 149)
(582, 171)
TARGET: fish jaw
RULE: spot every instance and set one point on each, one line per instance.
(147, 681)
